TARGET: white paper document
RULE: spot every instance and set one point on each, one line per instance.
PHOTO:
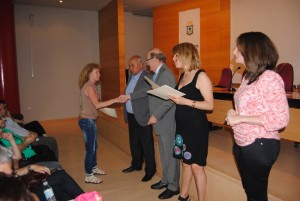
(164, 91)
(153, 84)
(109, 111)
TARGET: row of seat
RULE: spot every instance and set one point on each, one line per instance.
(285, 70)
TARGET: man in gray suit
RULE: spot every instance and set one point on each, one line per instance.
(136, 114)
(163, 120)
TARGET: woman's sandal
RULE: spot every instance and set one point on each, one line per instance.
(98, 171)
(183, 199)
(93, 180)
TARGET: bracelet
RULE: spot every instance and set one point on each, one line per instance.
(193, 104)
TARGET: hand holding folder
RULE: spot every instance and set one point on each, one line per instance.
(163, 91)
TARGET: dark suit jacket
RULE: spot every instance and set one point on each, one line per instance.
(163, 110)
(139, 100)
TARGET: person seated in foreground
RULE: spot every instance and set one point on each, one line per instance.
(64, 186)
(29, 155)
(17, 129)
(34, 126)
(13, 188)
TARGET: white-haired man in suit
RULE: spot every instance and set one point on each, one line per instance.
(136, 114)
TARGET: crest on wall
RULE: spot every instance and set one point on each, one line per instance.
(189, 28)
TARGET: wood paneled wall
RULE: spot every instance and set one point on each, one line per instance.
(214, 32)
(112, 56)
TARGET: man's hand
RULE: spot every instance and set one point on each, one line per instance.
(152, 120)
(124, 98)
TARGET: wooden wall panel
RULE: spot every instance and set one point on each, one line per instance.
(112, 56)
(214, 32)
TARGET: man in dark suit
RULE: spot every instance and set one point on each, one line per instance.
(163, 120)
(136, 114)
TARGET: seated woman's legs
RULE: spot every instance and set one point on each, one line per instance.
(64, 186)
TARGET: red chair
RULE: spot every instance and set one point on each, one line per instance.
(226, 78)
(286, 71)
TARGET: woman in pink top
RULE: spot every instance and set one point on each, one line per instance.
(89, 105)
(261, 109)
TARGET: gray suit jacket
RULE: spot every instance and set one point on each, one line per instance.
(163, 110)
(139, 100)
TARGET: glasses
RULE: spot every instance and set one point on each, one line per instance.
(149, 59)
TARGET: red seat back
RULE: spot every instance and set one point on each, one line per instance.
(226, 78)
(286, 71)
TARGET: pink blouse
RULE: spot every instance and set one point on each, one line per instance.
(265, 98)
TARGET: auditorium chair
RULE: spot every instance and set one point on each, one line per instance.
(226, 78)
(285, 70)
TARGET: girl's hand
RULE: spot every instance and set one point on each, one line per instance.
(231, 112)
(117, 100)
(8, 136)
(40, 169)
(232, 118)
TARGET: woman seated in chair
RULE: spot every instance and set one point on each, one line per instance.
(64, 187)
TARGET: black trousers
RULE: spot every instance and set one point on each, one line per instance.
(64, 187)
(141, 145)
(254, 163)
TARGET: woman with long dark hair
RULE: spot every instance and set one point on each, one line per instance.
(261, 110)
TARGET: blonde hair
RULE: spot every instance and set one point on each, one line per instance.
(85, 73)
(188, 54)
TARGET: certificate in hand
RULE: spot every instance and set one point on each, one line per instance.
(109, 111)
(164, 91)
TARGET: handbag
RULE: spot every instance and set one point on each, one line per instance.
(89, 196)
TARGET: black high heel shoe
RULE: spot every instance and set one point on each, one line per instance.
(183, 199)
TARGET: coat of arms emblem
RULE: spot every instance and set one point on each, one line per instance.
(189, 28)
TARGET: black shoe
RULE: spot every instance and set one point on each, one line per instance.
(147, 177)
(159, 185)
(130, 169)
(167, 194)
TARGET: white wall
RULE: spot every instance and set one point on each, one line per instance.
(63, 41)
(279, 19)
(138, 35)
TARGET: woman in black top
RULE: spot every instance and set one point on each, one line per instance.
(191, 140)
